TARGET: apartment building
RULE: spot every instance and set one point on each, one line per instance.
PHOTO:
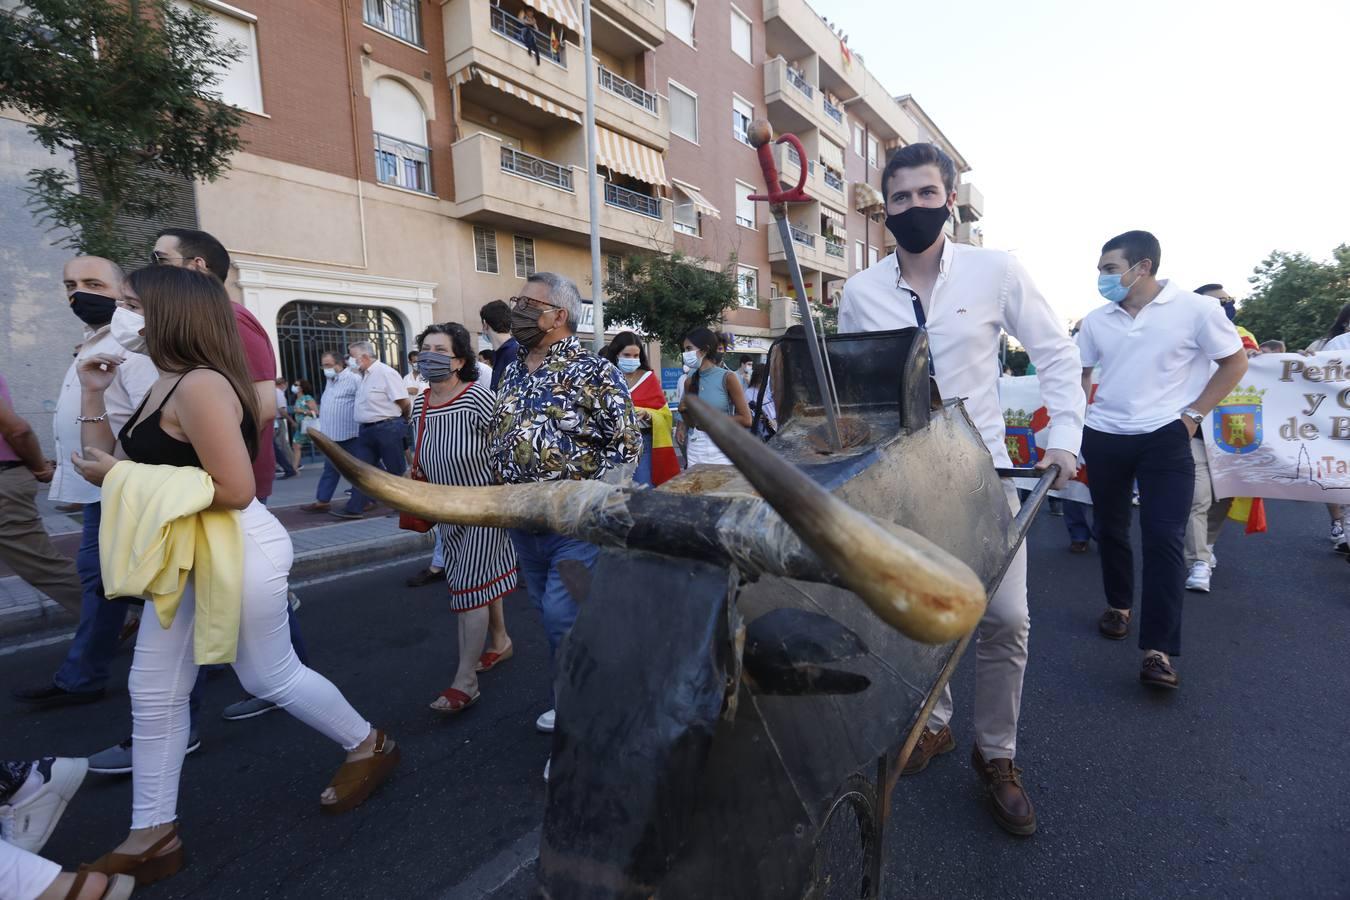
(408, 160)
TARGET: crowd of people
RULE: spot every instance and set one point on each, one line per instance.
(164, 418)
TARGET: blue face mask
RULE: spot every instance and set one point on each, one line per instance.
(1109, 286)
(629, 364)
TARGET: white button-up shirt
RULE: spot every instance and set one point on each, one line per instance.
(376, 398)
(1155, 364)
(130, 384)
(979, 293)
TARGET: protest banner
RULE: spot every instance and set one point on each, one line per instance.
(1284, 431)
(1026, 419)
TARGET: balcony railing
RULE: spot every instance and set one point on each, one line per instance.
(402, 164)
(511, 28)
(617, 84)
(832, 111)
(834, 180)
(397, 17)
(834, 248)
(798, 80)
(536, 169)
(623, 198)
(805, 238)
(796, 158)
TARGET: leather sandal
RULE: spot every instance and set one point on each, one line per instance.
(146, 868)
(119, 886)
(492, 658)
(356, 780)
(458, 701)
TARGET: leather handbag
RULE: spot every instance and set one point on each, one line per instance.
(408, 521)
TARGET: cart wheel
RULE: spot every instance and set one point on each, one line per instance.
(847, 845)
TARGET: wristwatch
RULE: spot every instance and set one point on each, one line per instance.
(1194, 415)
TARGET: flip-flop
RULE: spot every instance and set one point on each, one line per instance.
(492, 658)
(458, 700)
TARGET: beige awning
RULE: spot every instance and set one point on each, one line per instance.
(559, 11)
(470, 73)
(700, 202)
(866, 197)
(832, 155)
(834, 217)
(629, 157)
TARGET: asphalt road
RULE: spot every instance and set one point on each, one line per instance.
(1232, 786)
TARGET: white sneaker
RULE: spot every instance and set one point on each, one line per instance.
(1213, 558)
(1338, 541)
(548, 765)
(29, 823)
(544, 724)
(1199, 578)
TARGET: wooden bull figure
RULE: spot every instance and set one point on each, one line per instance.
(755, 643)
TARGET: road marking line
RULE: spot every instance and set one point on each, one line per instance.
(493, 875)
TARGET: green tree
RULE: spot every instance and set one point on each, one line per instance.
(667, 296)
(1295, 298)
(126, 85)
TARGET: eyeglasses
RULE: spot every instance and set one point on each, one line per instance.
(163, 259)
(521, 302)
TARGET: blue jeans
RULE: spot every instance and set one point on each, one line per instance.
(328, 481)
(380, 443)
(643, 473)
(538, 556)
(91, 652)
(1076, 520)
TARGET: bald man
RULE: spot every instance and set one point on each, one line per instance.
(92, 285)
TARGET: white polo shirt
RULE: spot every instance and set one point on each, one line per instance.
(979, 294)
(1339, 342)
(1155, 364)
(377, 397)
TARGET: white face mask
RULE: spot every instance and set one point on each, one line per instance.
(126, 327)
(629, 364)
(351, 361)
(692, 359)
(330, 373)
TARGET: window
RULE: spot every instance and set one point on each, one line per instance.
(859, 254)
(613, 272)
(680, 20)
(873, 151)
(401, 155)
(871, 256)
(857, 139)
(240, 82)
(745, 207)
(740, 35)
(687, 218)
(484, 250)
(683, 112)
(524, 256)
(742, 113)
(747, 286)
(397, 17)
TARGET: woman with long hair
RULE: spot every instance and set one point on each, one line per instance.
(714, 384)
(201, 413)
(1339, 326)
(453, 418)
(305, 409)
(760, 400)
(658, 463)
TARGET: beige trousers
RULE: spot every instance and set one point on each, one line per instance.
(1207, 513)
(25, 546)
(1000, 661)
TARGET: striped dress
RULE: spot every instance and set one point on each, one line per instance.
(453, 449)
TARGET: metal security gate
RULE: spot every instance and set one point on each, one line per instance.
(305, 331)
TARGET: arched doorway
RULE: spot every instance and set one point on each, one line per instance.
(306, 330)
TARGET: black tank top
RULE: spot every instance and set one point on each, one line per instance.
(148, 442)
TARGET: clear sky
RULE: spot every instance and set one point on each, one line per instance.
(1222, 127)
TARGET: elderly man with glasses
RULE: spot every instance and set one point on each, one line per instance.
(563, 413)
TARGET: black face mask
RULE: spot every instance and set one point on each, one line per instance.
(95, 310)
(525, 326)
(918, 228)
(1230, 310)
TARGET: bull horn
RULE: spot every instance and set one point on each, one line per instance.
(909, 582)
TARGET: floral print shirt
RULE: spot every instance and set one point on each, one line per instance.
(570, 419)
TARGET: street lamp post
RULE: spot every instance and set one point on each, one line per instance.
(593, 185)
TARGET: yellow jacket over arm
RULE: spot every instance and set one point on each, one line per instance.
(158, 530)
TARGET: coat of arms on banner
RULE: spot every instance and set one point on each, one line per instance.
(1237, 421)
(1020, 437)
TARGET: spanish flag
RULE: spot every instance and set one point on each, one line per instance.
(648, 395)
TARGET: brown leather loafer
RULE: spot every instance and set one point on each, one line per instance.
(1078, 546)
(1008, 800)
(930, 744)
(1158, 672)
(1114, 624)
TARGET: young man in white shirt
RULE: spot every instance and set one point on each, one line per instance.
(966, 297)
(382, 405)
(1154, 343)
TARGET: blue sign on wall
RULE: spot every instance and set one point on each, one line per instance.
(670, 382)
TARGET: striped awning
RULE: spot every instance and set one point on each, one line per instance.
(560, 11)
(700, 202)
(469, 73)
(866, 197)
(836, 218)
(629, 157)
(832, 155)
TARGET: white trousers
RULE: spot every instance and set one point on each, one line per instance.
(1001, 641)
(163, 673)
(702, 450)
(24, 875)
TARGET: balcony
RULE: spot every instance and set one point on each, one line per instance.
(628, 26)
(832, 180)
(969, 233)
(623, 198)
(970, 201)
(798, 80)
(783, 314)
(805, 245)
(790, 109)
(513, 29)
(792, 28)
(834, 248)
(481, 34)
(624, 107)
(499, 185)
